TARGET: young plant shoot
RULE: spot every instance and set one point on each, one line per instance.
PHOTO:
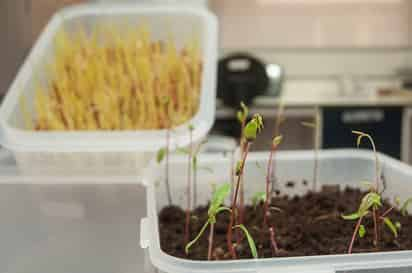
(252, 128)
(316, 146)
(195, 169)
(360, 136)
(242, 116)
(250, 240)
(371, 203)
(188, 187)
(215, 207)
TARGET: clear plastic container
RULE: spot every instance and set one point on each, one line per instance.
(341, 167)
(107, 151)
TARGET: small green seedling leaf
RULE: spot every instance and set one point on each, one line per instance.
(238, 168)
(242, 113)
(160, 155)
(189, 245)
(218, 198)
(250, 240)
(404, 208)
(258, 197)
(219, 195)
(191, 127)
(277, 140)
(362, 231)
(253, 127)
(398, 225)
(388, 222)
(308, 124)
(353, 216)
(371, 199)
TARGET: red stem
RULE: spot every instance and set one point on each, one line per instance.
(375, 227)
(234, 203)
(268, 177)
(354, 235)
(275, 248)
(188, 192)
(387, 212)
(209, 252)
(242, 191)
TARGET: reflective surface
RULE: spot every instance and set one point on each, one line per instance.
(67, 228)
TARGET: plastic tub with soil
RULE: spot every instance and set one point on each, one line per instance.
(310, 232)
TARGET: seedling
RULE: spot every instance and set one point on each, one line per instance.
(164, 153)
(215, 208)
(360, 136)
(188, 187)
(316, 145)
(250, 240)
(195, 169)
(252, 128)
(371, 203)
(242, 116)
(275, 143)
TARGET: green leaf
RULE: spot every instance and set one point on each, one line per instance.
(398, 225)
(391, 226)
(238, 167)
(372, 199)
(362, 231)
(353, 216)
(160, 155)
(277, 140)
(253, 127)
(250, 240)
(189, 245)
(218, 198)
(191, 127)
(404, 209)
(258, 197)
(242, 113)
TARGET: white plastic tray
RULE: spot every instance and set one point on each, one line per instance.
(130, 150)
(342, 167)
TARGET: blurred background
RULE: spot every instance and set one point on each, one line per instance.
(348, 61)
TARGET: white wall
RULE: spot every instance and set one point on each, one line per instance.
(314, 23)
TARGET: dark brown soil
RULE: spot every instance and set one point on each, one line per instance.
(308, 225)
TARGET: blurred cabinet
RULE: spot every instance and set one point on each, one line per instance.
(384, 124)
